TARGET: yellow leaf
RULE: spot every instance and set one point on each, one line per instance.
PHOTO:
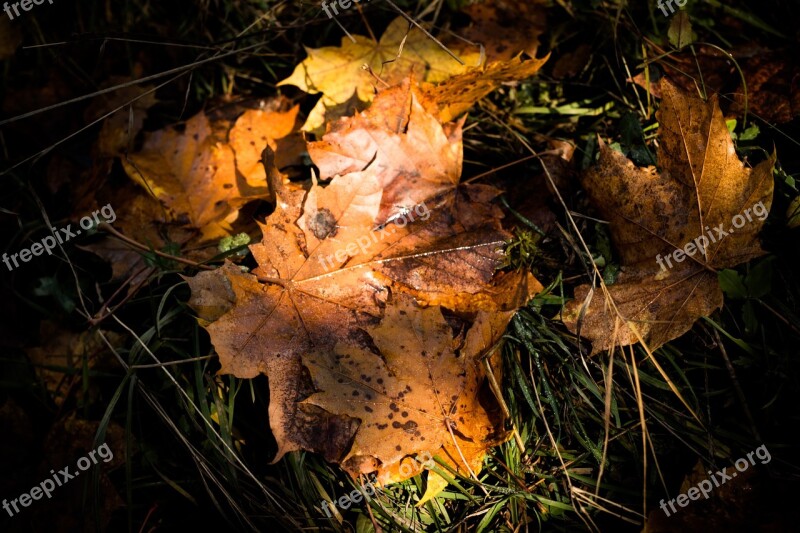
(339, 73)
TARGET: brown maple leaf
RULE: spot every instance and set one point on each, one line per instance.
(506, 27)
(374, 296)
(459, 93)
(673, 227)
(195, 182)
(200, 176)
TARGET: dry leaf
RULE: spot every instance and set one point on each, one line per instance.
(68, 440)
(256, 128)
(193, 173)
(174, 217)
(459, 93)
(506, 27)
(702, 188)
(141, 218)
(61, 360)
(336, 71)
(773, 87)
(118, 130)
(373, 298)
(200, 178)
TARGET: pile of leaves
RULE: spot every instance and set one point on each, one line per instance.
(334, 239)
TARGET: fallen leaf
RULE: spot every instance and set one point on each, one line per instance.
(67, 441)
(193, 173)
(338, 71)
(772, 77)
(119, 129)
(505, 28)
(143, 219)
(746, 502)
(256, 128)
(200, 178)
(701, 186)
(773, 87)
(61, 360)
(456, 95)
(369, 315)
(570, 64)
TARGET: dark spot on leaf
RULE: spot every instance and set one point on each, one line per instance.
(410, 427)
(323, 224)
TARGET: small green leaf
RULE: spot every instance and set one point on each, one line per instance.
(680, 32)
(759, 279)
(750, 133)
(750, 318)
(732, 284)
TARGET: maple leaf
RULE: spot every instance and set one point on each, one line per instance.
(459, 93)
(505, 27)
(371, 350)
(338, 71)
(177, 169)
(702, 199)
(118, 130)
(63, 354)
(200, 177)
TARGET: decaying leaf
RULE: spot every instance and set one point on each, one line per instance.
(374, 297)
(200, 177)
(193, 173)
(702, 199)
(61, 360)
(337, 71)
(506, 27)
(119, 129)
(459, 93)
(72, 438)
(167, 211)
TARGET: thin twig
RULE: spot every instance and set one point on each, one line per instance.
(106, 227)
